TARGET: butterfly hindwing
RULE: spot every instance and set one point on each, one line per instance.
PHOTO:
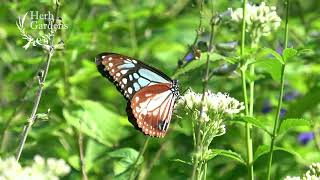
(152, 107)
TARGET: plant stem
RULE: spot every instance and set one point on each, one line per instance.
(198, 33)
(32, 117)
(81, 154)
(135, 164)
(155, 159)
(244, 91)
(205, 87)
(251, 86)
(41, 79)
(277, 122)
(316, 136)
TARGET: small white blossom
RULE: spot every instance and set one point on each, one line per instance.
(312, 174)
(212, 110)
(260, 20)
(218, 102)
(50, 169)
(292, 178)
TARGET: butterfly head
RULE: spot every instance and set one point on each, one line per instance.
(175, 88)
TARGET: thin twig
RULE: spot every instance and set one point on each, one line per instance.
(204, 90)
(248, 126)
(41, 79)
(198, 33)
(277, 121)
(81, 153)
(155, 159)
(135, 164)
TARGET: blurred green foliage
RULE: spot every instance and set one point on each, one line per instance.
(158, 33)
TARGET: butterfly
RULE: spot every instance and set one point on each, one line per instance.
(150, 93)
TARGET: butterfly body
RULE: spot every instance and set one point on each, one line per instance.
(150, 93)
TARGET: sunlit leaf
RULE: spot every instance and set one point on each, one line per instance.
(271, 66)
(226, 153)
(288, 53)
(96, 122)
(288, 124)
(264, 149)
(252, 120)
(124, 160)
(268, 51)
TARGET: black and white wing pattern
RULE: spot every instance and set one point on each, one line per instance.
(151, 94)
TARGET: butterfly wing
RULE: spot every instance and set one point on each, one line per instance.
(152, 107)
(150, 92)
(128, 74)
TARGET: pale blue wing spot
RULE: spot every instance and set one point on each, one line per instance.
(135, 75)
(152, 76)
(126, 66)
(143, 82)
(136, 86)
(130, 77)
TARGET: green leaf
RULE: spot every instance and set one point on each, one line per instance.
(264, 149)
(272, 67)
(96, 122)
(288, 124)
(190, 66)
(214, 57)
(267, 51)
(304, 104)
(198, 63)
(211, 153)
(289, 53)
(182, 161)
(94, 152)
(84, 74)
(124, 161)
(42, 116)
(252, 120)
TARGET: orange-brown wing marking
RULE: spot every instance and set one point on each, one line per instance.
(152, 107)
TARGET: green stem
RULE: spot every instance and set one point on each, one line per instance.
(251, 85)
(135, 164)
(316, 136)
(198, 143)
(244, 91)
(277, 122)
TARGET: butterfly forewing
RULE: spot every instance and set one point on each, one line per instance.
(128, 74)
(151, 94)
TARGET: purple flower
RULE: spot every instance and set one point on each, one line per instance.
(266, 108)
(282, 112)
(305, 137)
(291, 95)
(279, 50)
(189, 57)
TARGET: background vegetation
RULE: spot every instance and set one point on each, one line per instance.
(79, 108)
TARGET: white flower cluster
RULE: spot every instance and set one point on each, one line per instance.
(221, 103)
(41, 168)
(215, 108)
(262, 19)
(312, 174)
(292, 178)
